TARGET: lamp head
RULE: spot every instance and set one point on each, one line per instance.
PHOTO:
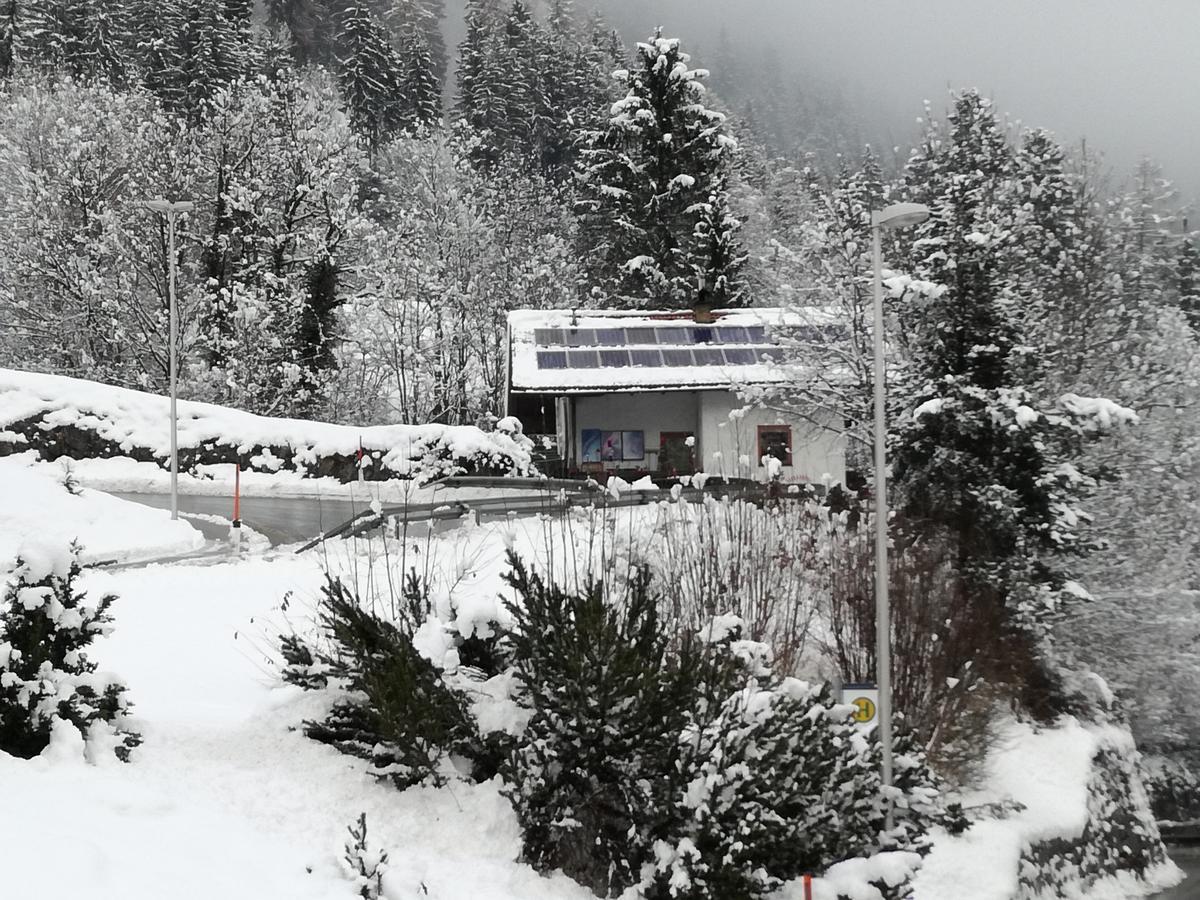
(900, 215)
(160, 205)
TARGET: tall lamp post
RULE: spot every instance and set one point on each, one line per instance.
(172, 209)
(899, 215)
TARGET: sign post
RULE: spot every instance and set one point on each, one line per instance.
(864, 697)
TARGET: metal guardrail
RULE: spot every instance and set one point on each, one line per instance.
(556, 495)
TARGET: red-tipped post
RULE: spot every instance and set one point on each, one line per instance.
(807, 887)
(237, 500)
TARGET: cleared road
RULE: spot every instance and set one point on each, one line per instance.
(283, 520)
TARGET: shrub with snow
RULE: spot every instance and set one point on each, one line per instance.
(396, 711)
(46, 625)
(678, 765)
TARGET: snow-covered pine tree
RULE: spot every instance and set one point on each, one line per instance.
(644, 179)
(1187, 270)
(719, 259)
(8, 32)
(86, 39)
(46, 627)
(483, 82)
(574, 76)
(371, 75)
(979, 459)
(420, 86)
(156, 27)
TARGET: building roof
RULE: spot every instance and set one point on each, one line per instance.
(591, 351)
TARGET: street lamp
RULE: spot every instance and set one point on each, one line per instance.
(172, 209)
(899, 215)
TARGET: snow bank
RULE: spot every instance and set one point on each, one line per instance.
(39, 511)
(62, 416)
(1051, 777)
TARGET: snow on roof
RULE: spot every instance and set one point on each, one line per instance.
(588, 351)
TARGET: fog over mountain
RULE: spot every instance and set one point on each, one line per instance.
(1123, 76)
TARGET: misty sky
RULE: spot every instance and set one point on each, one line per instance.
(1123, 75)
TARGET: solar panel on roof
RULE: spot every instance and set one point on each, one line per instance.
(677, 356)
(702, 334)
(548, 337)
(552, 359)
(739, 356)
(731, 334)
(709, 356)
(646, 357)
(755, 334)
(582, 359)
(581, 337)
(610, 337)
(641, 335)
(614, 359)
(769, 354)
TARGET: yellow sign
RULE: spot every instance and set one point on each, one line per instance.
(864, 709)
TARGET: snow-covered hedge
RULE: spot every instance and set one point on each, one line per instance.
(69, 417)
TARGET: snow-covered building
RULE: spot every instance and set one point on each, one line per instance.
(658, 393)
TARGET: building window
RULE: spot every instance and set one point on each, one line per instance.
(776, 441)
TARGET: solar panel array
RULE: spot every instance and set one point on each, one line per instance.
(662, 346)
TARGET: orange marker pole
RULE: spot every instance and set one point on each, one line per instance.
(807, 887)
(237, 495)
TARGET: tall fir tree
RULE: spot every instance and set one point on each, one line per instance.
(9, 10)
(977, 458)
(371, 75)
(1188, 277)
(644, 181)
(481, 82)
(421, 88)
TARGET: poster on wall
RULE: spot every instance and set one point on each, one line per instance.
(610, 446)
(633, 445)
(589, 450)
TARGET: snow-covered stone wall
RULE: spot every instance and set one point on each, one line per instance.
(67, 417)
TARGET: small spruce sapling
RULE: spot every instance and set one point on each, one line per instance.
(364, 865)
(45, 629)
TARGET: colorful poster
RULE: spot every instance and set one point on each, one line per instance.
(589, 451)
(633, 445)
(610, 446)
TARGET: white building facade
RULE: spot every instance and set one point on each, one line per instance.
(645, 393)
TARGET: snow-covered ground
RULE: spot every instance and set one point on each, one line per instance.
(227, 799)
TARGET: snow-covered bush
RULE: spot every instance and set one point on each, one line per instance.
(46, 625)
(364, 865)
(677, 765)
(396, 711)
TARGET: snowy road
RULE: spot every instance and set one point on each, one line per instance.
(283, 520)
